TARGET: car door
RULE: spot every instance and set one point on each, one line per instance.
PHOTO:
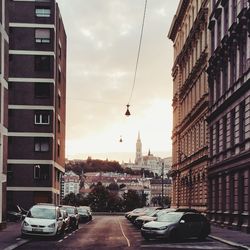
(195, 225)
(184, 226)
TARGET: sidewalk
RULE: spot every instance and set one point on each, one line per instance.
(10, 237)
(231, 237)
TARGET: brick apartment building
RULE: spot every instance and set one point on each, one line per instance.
(229, 116)
(190, 104)
(4, 70)
(37, 90)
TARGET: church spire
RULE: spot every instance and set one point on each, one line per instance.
(138, 156)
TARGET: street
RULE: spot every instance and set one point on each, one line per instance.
(114, 232)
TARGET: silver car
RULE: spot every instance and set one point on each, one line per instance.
(43, 220)
(176, 226)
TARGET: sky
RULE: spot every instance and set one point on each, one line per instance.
(102, 44)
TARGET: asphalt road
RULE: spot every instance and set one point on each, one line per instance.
(114, 232)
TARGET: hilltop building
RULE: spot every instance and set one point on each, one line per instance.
(149, 162)
(37, 93)
(70, 183)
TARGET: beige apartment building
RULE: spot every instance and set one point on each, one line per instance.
(189, 34)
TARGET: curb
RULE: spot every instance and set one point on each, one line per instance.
(18, 244)
(230, 243)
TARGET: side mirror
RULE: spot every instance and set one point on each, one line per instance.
(182, 221)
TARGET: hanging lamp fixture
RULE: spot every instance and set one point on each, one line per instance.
(127, 111)
(137, 59)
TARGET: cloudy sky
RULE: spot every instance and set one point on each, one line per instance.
(103, 39)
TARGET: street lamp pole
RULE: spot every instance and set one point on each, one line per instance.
(162, 183)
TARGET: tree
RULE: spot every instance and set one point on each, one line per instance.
(98, 198)
(133, 200)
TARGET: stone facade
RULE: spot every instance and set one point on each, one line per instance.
(229, 116)
(190, 105)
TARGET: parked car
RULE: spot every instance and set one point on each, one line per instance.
(141, 220)
(145, 211)
(176, 226)
(73, 214)
(15, 213)
(84, 214)
(66, 221)
(43, 220)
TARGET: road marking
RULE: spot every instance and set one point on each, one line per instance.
(60, 240)
(124, 234)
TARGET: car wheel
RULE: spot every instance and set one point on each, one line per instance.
(203, 235)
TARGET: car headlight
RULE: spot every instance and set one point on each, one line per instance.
(52, 225)
(25, 223)
(163, 228)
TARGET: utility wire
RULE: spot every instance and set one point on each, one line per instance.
(139, 50)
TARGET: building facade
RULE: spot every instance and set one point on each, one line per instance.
(190, 105)
(229, 116)
(160, 188)
(70, 183)
(4, 71)
(37, 91)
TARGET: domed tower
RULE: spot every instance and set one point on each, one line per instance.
(138, 156)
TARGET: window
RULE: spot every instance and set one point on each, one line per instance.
(59, 101)
(217, 137)
(58, 150)
(42, 36)
(232, 127)
(41, 172)
(43, 12)
(224, 132)
(42, 90)
(60, 51)
(234, 10)
(42, 117)
(233, 67)
(58, 126)
(242, 121)
(224, 77)
(218, 30)
(42, 63)
(41, 144)
(59, 76)
(226, 18)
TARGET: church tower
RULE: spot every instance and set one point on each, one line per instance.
(138, 157)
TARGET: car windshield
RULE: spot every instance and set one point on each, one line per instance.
(170, 217)
(42, 213)
(70, 210)
(82, 210)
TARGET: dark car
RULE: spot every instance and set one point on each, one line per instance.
(15, 213)
(84, 214)
(176, 226)
(73, 215)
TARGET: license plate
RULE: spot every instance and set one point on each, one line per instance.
(37, 230)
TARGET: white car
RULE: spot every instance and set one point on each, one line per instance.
(43, 220)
